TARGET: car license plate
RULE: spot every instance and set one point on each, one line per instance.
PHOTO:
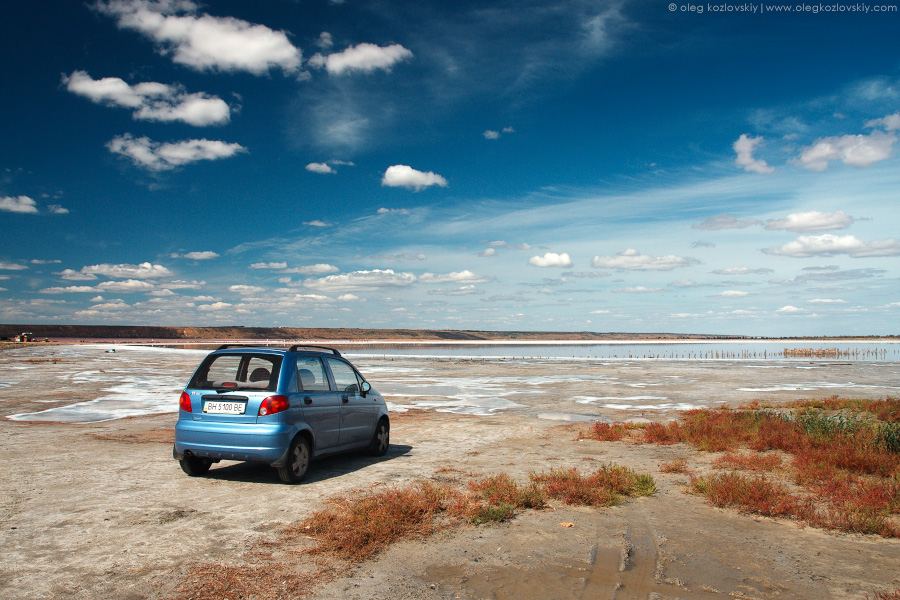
(224, 408)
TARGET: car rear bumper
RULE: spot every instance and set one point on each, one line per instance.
(219, 441)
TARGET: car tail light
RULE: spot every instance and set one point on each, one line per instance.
(274, 404)
(185, 402)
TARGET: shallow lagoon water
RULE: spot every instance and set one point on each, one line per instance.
(89, 383)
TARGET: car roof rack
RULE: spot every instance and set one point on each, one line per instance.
(296, 347)
(293, 348)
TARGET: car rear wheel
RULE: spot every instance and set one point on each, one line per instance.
(194, 466)
(381, 441)
(294, 469)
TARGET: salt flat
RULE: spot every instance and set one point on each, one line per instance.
(96, 507)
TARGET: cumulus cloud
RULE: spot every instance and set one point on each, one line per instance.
(829, 245)
(126, 286)
(810, 221)
(153, 156)
(202, 255)
(889, 123)
(361, 281)
(854, 150)
(465, 276)
(246, 289)
(320, 168)
(742, 271)
(203, 42)
(631, 259)
(490, 134)
(151, 101)
(362, 57)
(72, 275)
(317, 269)
(18, 204)
(551, 259)
(215, 306)
(789, 309)
(723, 222)
(745, 146)
(144, 270)
(406, 176)
(269, 265)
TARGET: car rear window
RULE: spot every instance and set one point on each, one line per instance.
(225, 372)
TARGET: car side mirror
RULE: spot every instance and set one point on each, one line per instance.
(366, 387)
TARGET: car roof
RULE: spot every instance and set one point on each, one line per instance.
(296, 348)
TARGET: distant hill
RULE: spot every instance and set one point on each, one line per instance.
(132, 332)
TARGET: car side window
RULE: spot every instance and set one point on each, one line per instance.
(344, 376)
(311, 374)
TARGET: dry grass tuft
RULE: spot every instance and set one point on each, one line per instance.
(847, 466)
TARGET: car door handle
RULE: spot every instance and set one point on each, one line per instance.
(307, 400)
(345, 398)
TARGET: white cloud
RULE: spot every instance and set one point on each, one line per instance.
(151, 101)
(551, 259)
(889, 123)
(789, 309)
(489, 134)
(827, 301)
(317, 269)
(153, 156)
(69, 289)
(745, 147)
(488, 252)
(320, 168)
(633, 260)
(56, 209)
(202, 255)
(724, 222)
(361, 280)
(465, 276)
(637, 290)
(828, 244)
(811, 221)
(72, 275)
(269, 265)
(18, 204)
(246, 289)
(144, 270)
(362, 57)
(216, 306)
(349, 298)
(742, 271)
(406, 176)
(125, 286)
(392, 211)
(854, 150)
(205, 42)
(733, 294)
(316, 223)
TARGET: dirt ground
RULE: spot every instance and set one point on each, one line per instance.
(102, 511)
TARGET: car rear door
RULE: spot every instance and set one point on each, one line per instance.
(321, 405)
(357, 412)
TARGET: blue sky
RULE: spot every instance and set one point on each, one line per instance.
(532, 165)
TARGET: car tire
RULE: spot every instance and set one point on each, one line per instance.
(296, 463)
(194, 466)
(381, 440)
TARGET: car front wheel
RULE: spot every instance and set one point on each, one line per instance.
(381, 441)
(294, 469)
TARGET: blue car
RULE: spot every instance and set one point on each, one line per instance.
(283, 407)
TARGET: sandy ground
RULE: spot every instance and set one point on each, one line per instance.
(102, 511)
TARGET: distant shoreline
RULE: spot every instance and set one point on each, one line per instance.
(356, 337)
